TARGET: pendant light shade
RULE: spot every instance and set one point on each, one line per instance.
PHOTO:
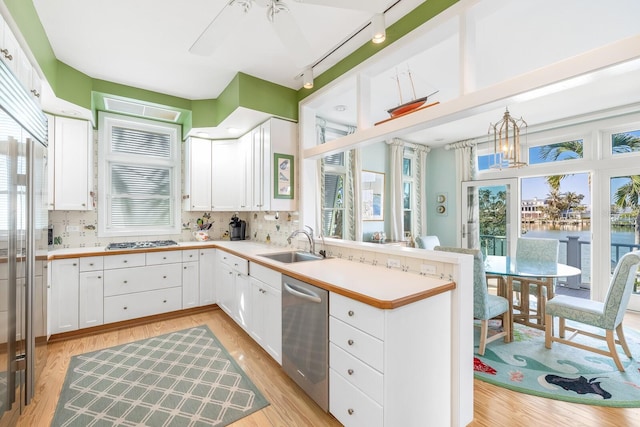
(506, 142)
(378, 27)
(307, 78)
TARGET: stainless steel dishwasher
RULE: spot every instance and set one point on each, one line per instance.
(305, 337)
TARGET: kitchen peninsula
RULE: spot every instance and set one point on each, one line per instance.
(420, 325)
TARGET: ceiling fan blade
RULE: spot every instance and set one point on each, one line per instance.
(213, 36)
(292, 38)
(374, 6)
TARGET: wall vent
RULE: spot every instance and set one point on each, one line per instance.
(127, 107)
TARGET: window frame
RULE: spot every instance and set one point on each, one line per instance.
(107, 121)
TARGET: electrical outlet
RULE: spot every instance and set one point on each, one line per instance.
(393, 263)
(427, 269)
(73, 228)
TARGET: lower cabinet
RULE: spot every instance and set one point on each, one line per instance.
(266, 309)
(91, 291)
(64, 294)
(390, 367)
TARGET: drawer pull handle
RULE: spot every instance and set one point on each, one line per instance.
(350, 411)
(350, 342)
(164, 277)
(91, 264)
(125, 307)
(351, 313)
(164, 257)
(125, 261)
(350, 371)
(184, 267)
(74, 264)
(99, 277)
(125, 281)
(164, 301)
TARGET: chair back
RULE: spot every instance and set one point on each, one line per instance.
(619, 293)
(537, 249)
(480, 291)
(427, 242)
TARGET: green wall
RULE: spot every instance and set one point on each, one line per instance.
(440, 178)
(244, 90)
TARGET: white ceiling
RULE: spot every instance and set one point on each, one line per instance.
(145, 44)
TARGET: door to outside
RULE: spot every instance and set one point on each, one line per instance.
(490, 215)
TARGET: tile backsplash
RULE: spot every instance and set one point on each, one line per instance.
(79, 229)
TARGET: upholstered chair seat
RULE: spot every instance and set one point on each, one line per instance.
(607, 315)
(485, 305)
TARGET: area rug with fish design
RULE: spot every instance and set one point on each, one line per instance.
(562, 372)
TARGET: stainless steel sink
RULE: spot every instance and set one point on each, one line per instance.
(292, 256)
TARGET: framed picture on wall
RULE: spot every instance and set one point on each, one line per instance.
(283, 176)
(372, 196)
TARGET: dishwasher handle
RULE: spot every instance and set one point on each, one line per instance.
(306, 294)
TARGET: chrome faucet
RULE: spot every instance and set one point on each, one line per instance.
(312, 246)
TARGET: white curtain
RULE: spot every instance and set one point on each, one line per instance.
(396, 156)
(354, 226)
(420, 179)
(465, 155)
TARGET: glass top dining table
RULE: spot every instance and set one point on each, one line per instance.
(510, 266)
(538, 272)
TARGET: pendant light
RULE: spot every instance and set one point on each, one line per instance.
(506, 141)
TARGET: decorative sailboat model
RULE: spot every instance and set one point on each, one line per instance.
(410, 106)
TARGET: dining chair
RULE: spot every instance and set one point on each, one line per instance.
(427, 242)
(607, 315)
(536, 250)
(485, 305)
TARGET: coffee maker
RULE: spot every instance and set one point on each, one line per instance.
(237, 228)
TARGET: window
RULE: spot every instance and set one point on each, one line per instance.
(138, 177)
(567, 150)
(333, 215)
(625, 142)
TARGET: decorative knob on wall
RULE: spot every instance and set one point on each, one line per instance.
(441, 203)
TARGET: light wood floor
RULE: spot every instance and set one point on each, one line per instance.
(290, 407)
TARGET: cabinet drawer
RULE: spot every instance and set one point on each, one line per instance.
(91, 263)
(190, 255)
(124, 261)
(125, 307)
(264, 274)
(351, 406)
(357, 343)
(355, 313)
(164, 257)
(140, 279)
(241, 265)
(358, 373)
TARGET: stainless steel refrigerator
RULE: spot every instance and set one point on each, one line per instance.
(23, 245)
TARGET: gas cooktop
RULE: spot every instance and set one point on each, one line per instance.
(141, 245)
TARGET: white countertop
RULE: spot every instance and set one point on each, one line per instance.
(375, 285)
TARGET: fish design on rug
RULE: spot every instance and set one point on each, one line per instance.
(580, 385)
(480, 366)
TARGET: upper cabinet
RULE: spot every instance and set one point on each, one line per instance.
(239, 175)
(270, 141)
(71, 177)
(18, 62)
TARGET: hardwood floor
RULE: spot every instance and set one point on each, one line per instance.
(290, 407)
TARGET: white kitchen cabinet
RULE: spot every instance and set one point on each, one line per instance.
(64, 292)
(378, 369)
(71, 165)
(227, 175)
(207, 268)
(266, 309)
(233, 290)
(215, 175)
(271, 137)
(9, 47)
(91, 299)
(197, 175)
(190, 285)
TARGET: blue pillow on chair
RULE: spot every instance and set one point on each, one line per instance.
(427, 242)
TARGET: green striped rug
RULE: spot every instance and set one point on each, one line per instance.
(185, 378)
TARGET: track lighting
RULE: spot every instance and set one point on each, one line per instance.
(307, 78)
(377, 24)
